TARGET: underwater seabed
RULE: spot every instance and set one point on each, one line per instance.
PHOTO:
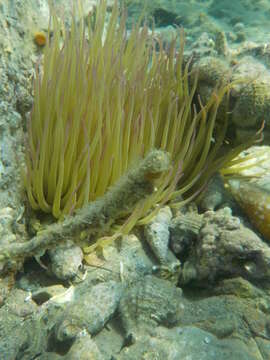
(193, 282)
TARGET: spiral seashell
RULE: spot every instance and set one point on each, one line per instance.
(255, 202)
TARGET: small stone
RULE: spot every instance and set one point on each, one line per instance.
(84, 348)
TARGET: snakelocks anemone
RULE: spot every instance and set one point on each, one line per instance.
(103, 98)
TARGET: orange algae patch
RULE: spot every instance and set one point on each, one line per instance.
(255, 202)
(40, 38)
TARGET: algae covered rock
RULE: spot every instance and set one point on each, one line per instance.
(226, 248)
(84, 348)
(185, 343)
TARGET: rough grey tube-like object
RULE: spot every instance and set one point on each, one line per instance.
(132, 187)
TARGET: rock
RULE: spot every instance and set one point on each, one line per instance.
(264, 346)
(235, 317)
(212, 70)
(170, 272)
(226, 248)
(19, 303)
(84, 348)
(185, 343)
(20, 337)
(49, 356)
(238, 287)
(7, 220)
(251, 189)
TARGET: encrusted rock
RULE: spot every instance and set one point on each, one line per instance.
(185, 343)
(20, 337)
(7, 236)
(226, 248)
(240, 288)
(84, 348)
(19, 303)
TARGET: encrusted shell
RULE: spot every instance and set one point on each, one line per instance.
(157, 233)
(255, 201)
(90, 311)
(253, 104)
(184, 229)
(149, 302)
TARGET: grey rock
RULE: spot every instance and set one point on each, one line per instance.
(19, 303)
(221, 44)
(264, 346)
(7, 236)
(186, 343)
(84, 348)
(228, 316)
(202, 47)
(226, 248)
(20, 336)
(49, 356)
(238, 287)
